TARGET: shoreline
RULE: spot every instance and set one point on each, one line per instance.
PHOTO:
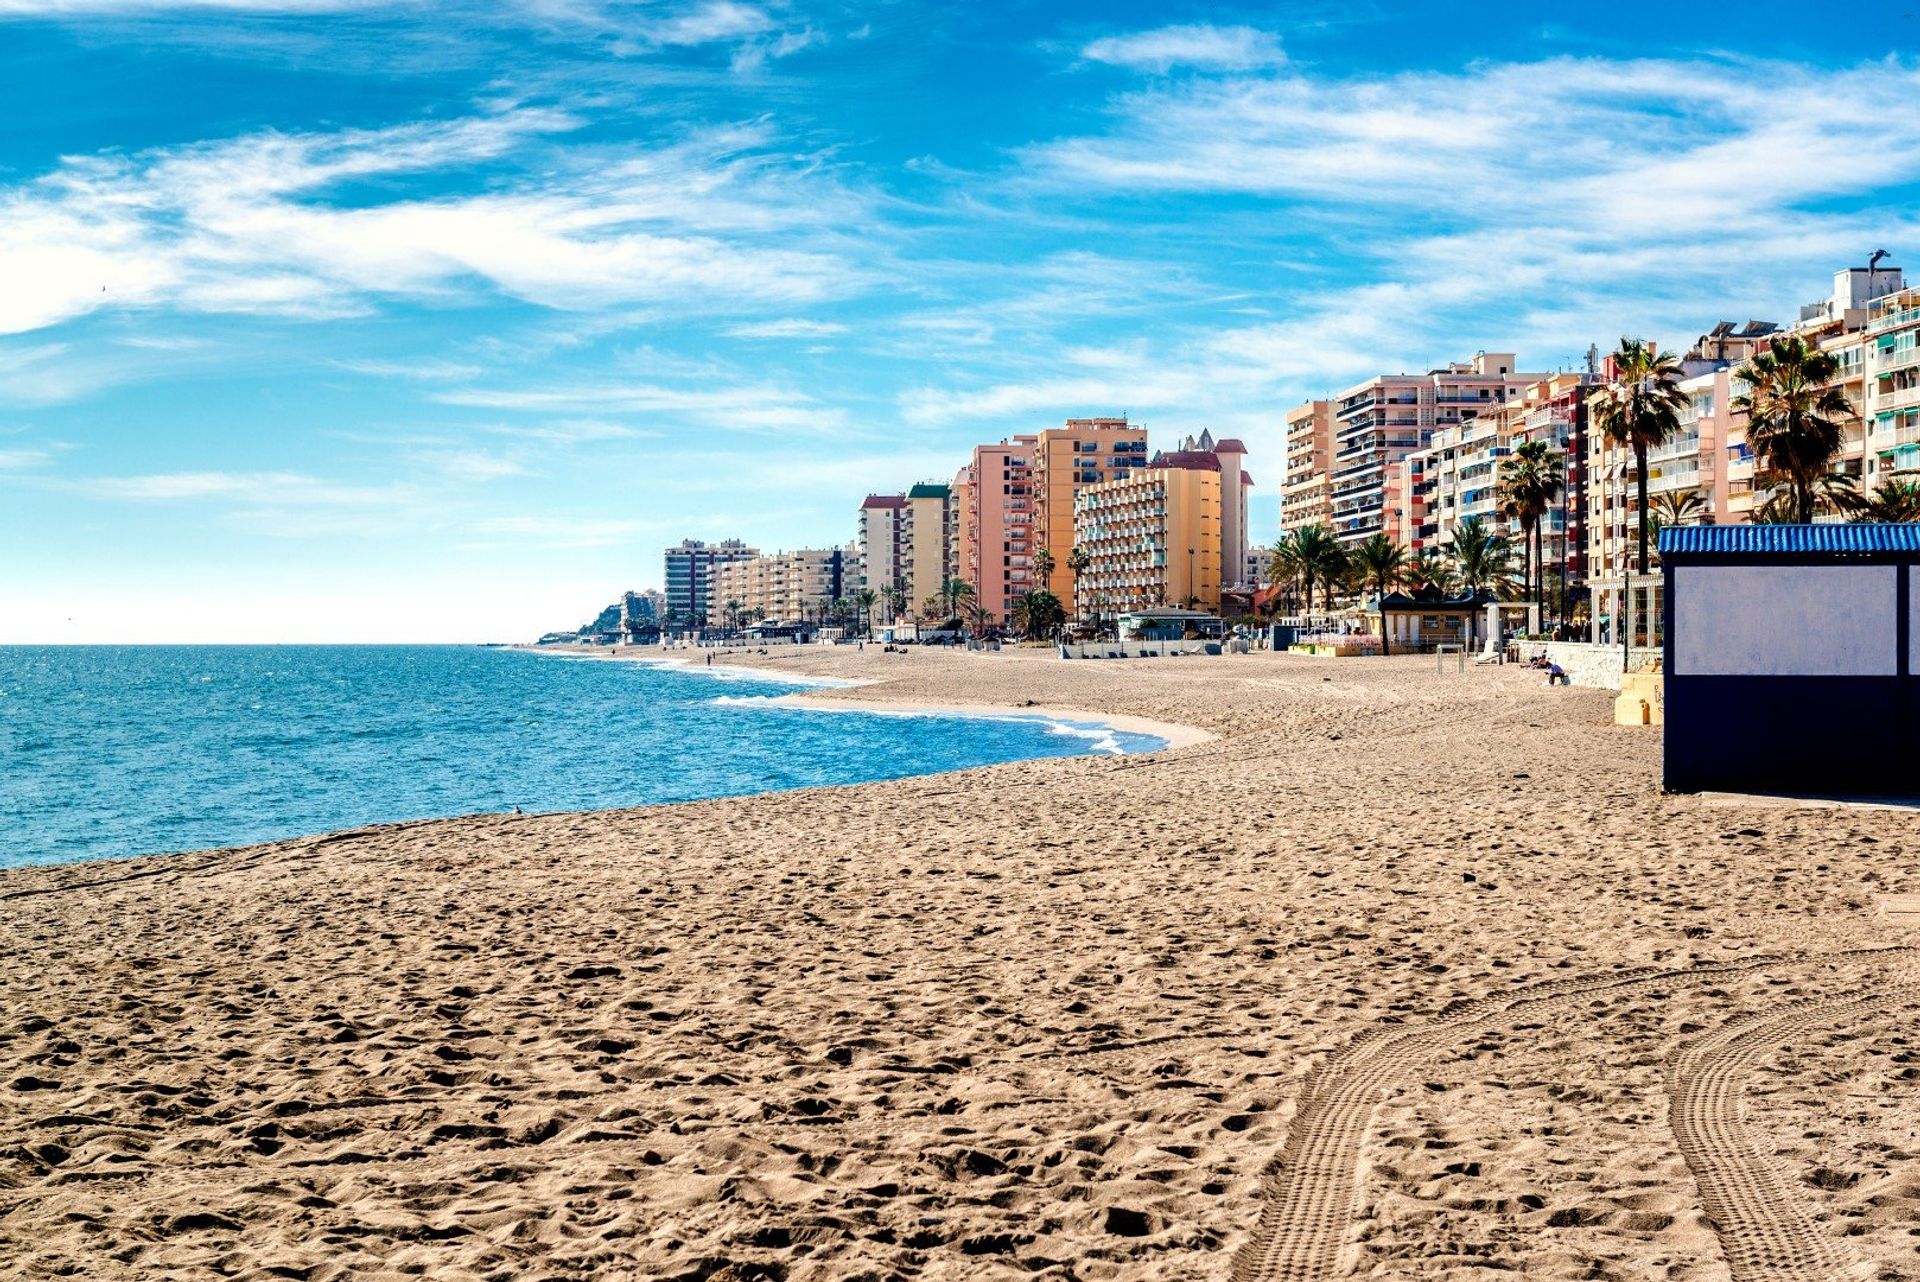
(1172, 734)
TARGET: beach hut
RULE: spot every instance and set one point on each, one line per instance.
(1792, 658)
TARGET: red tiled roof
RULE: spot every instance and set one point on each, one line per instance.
(1245, 479)
(1189, 460)
(1231, 445)
(885, 500)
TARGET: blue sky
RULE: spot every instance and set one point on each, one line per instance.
(377, 320)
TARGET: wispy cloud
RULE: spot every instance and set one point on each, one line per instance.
(262, 489)
(738, 407)
(245, 226)
(792, 328)
(1200, 45)
(425, 370)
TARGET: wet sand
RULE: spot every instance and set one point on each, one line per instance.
(1398, 975)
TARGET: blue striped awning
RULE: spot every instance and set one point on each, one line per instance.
(1787, 540)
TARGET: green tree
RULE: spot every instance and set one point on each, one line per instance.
(1892, 500)
(1383, 562)
(1321, 559)
(1482, 558)
(1284, 564)
(1678, 507)
(1043, 568)
(865, 598)
(1429, 569)
(1531, 478)
(1078, 559)
(1038, 613)
(1794, 415)
(1638, 410)
(956, 593)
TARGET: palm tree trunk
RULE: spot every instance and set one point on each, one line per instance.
(1386, 647)
(1640, 480)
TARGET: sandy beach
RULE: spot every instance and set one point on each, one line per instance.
(1385, 974)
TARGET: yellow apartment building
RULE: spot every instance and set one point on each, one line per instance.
(1153, 536)
(1066, 460)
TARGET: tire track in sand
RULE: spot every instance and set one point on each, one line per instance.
(1766, 1229)
(1313, 1180)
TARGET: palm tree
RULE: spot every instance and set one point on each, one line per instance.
(1037, 613)
(1429, 569)
(1794, 414)
(1078, 559)
(1383, 562)
(1892, 500)
(1321, 557)
(1531, 478)
(896, 599)
(1484, 559)
(1678, 507)
(733, 615)
(931, 604)
(1284, 564)
(865, 599)
(1043, 568)
(1639, 410)
(956, 592)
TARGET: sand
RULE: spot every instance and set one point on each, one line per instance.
(1394, 976)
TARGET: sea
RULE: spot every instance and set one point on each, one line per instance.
(112, 751)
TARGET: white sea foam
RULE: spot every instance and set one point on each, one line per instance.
(1102, 739)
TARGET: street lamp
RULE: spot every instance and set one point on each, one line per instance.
(1192, 595)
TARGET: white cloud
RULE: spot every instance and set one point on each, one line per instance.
(63, 8)
(1201, 45)
(741, 407)
(264, 489)
(425, 370)
(19, 460)
(787, 329)
(244, 226)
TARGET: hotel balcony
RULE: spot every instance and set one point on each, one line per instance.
(1897, 399)
(1895, 438)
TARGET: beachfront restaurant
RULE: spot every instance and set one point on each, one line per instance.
(1169, 623)
(1776, 635)
(1425, 618)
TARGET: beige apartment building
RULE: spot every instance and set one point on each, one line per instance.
(1378, 423)
(1891, 374)
(1457, 476)
(787, 586)
(907, 542)
(1306, 498)
(1153, 535)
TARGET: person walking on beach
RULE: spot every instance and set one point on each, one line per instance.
(709, 660)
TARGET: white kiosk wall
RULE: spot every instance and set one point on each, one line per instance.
(1786, 620)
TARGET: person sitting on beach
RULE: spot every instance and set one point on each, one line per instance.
(1557, 675)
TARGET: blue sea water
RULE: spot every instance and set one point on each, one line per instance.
(111, 751)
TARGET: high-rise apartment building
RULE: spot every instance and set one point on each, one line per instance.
(993, 521)
(788, 586)
(1066, 460)
(1381, 421)
(689, 575)
(1458, 475)
(929, 544)
(1891, 399)
(907, 543)
(1153, 535)
(1306, 498)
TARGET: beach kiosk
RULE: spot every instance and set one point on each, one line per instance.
(1792, 658)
